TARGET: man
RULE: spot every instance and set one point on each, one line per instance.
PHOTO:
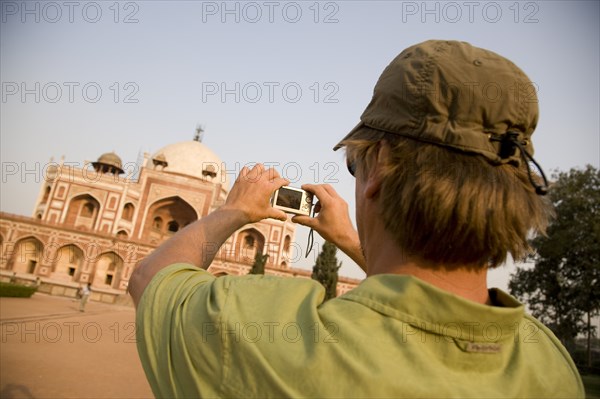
(443, 192)
(85, 295)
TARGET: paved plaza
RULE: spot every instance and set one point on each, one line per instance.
(49, 349)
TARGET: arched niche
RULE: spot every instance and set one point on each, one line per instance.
(28, 254)
(249, 243)
(166, 217)
(82, 212)
(128, 211)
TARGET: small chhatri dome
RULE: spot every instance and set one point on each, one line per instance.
(109, 163)
(160, 160)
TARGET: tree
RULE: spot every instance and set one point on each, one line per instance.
(564, 284)
(326, 269)
(258, 267)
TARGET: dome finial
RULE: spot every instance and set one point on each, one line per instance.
(199, 133)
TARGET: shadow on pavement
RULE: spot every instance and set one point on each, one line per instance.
(15, 391)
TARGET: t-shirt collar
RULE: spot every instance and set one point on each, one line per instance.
(424, 306)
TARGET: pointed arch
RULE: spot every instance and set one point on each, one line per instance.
(249, 243)
(67, 263)
(286, 243)
(108, 270)
(166, 216)
(27, 255)
(82, 212)
(47, 191)
(128, 211)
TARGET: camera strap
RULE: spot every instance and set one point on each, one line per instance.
(311, 235)
(311, 241)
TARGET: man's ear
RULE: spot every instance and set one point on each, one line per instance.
(374, 177)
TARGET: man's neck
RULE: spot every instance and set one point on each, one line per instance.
(469, 283)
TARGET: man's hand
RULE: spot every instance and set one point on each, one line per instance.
(252, 191)
(333, 221)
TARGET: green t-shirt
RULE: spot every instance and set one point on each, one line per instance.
(392, 336)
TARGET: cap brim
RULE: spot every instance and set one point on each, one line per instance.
(349, 135)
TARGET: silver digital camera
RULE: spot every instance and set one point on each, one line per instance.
(293, 200)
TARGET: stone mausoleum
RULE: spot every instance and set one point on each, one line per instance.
(94, 222)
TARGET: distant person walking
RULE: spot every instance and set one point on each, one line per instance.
(85, 295)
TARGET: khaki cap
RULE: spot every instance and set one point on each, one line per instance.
(455, 95)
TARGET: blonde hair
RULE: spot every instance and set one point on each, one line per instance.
(448, 207)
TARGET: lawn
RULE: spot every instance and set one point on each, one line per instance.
(16, 290)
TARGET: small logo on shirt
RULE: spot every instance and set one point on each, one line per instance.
(483, 348)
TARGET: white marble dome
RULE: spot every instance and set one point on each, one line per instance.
(192, 158)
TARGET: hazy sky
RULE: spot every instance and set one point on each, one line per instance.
(276, 82)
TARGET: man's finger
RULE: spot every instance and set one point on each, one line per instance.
(328, 188)
(304, 220)
(277, 214)
(273, 174)
(242, 174)
(316, 189)
(255, 173)
(280, 182)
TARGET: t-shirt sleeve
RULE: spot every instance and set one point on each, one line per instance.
(176, 322)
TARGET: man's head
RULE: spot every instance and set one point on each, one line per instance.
(456, 122)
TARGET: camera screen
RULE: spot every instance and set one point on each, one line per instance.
(289, 198)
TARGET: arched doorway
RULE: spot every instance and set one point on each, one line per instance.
(67, 263)
(107, 271)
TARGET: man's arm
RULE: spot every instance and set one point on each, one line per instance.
(198, 243)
